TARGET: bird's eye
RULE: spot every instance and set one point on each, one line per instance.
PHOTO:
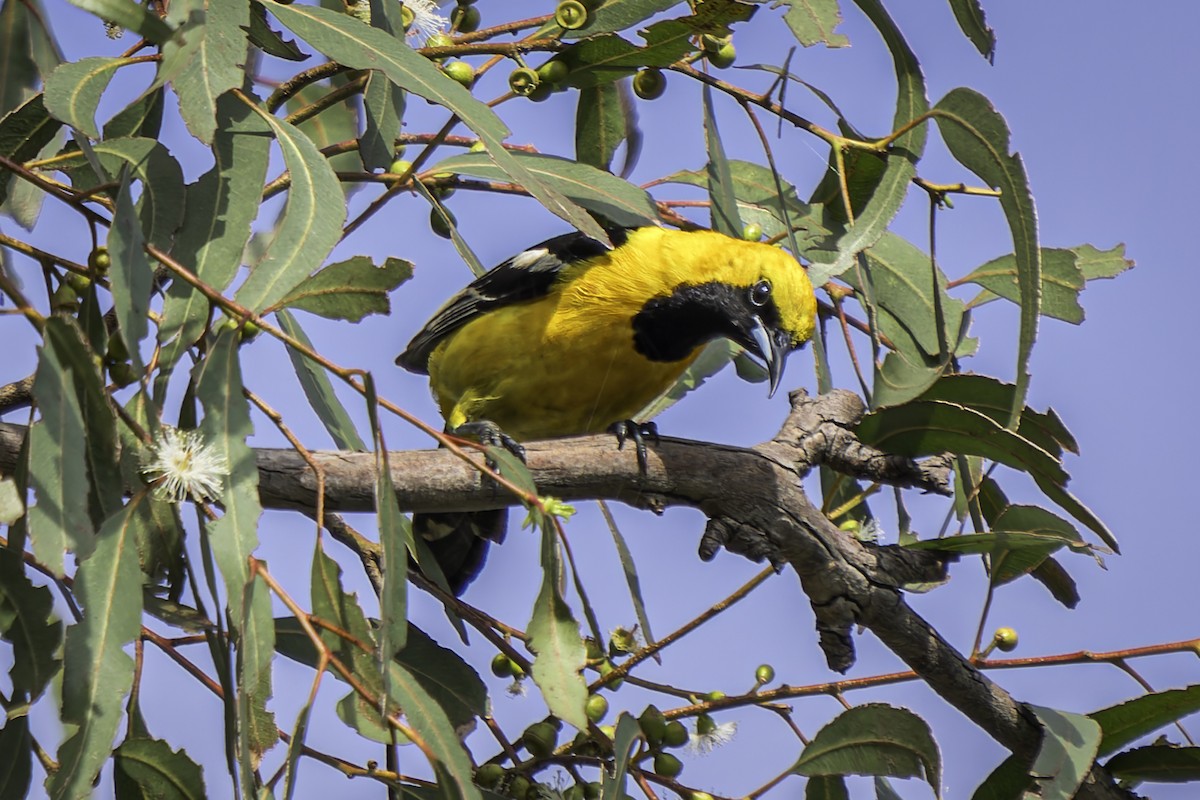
(760, 292)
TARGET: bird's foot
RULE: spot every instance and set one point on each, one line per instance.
(637, 432)
(489, 433)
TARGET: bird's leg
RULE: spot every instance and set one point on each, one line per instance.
(489, 433)
(637, 432)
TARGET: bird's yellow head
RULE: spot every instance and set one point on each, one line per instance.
(754, 294)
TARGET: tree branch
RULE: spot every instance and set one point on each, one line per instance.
(756, 506)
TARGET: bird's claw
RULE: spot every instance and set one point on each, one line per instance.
(637, 432)
(489, 433)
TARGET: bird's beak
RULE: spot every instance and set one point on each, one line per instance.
(773, 347)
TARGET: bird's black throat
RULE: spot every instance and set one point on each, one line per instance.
(669, 328)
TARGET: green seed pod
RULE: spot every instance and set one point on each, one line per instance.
(540, 739)
(502, 666)
(676, 734)
(489, 775)
(752, 232)
(523, 81)
(441, 225)
(461, 72)
(764, 674)
(653, 725)
(596, 707)
(571, 14)
(649, 84)
(553, 71)
(99, 261)
(465, 19)
(667, 765)
(724, 57)
(1006, 639)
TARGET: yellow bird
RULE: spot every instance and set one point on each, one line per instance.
(572, 337)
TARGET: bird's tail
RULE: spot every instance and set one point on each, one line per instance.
(459, 541)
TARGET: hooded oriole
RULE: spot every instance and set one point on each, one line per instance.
(571, 337)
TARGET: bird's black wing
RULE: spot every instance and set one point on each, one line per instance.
(523, 277)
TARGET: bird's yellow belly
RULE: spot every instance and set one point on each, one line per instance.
(570, 374)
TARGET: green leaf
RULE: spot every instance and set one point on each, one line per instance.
(142, 117)
(554, 638)
(1063, 278)
(1008, 781)
(147, 768)
(221, 205)
(205, 58)
(969, 14)
(57, 465)
(225, 428)
(603, 119)
(617, 15)
(105, 490)
(892, 185)
(1098, 264)
(1057, 581)
(24, 131)
(992, 397)
(18, 71)
(256, 728)
(16, 757)
(430, 722)
(754, 187)
(359, 46)
(12, 506)
(350, 289)
(97, 673)
(28, 622)
(443, 674)
(73, 91)
(311, 224)
(1160, 763)
(813, 21)
(395, 539)
(337, 123)
(265, 38)
(926, 427)
(1127, 722)
(131, 275)
(1029, 521)
(319, 391)
(1069, 744)
(629, 568)
(160, 208)
(874, 739)
(128, 14)
(611, 197)
(383, 104)
(624, 738)
(721, 199)
(902, 279)
(826, 787)
(977, 136)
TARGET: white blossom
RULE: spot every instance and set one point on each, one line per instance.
(183, 465)
(704, 743)
(426, 19)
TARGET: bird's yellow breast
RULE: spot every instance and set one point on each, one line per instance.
(561, 366)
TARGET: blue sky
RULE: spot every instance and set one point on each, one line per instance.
(1101, 102)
